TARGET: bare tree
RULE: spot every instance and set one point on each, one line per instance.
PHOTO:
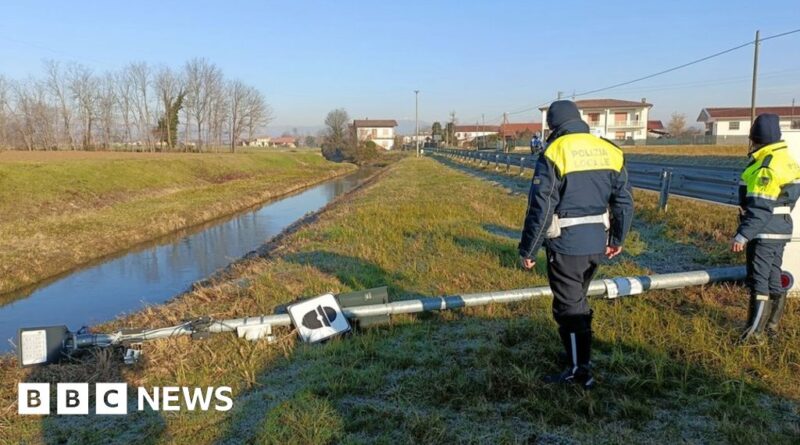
(203, 81)
(83, 87)
(259, 113)
(57, 84)
(106, 108)
(677, 124)
(139, 76)
(124, 96)
(5, 112)
(237, 99)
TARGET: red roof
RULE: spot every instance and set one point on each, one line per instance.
(373, 123)
(655, 125)
(510, 129)
(476, 128)
(284, 140)
(607, 103)
(744, 112)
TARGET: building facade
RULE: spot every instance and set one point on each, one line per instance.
(612, 118)
(732, 124)
(379, 131)
(466, 134)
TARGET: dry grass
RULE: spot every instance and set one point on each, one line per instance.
(668, 368)
(59, 210)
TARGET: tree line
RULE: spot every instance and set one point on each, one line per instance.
(139, 107)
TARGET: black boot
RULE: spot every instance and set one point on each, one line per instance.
(757, 315)
(778, 305)
(578, 347)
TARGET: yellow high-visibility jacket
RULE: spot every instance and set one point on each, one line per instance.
(768, 191)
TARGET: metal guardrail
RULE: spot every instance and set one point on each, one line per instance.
(707, 178)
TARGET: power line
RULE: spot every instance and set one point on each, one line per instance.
(669, 70)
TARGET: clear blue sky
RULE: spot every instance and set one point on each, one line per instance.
(309, 57)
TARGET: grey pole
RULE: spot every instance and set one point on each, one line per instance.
(755, 78)
(610, 288)
(416, 119)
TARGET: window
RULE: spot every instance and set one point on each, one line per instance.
(619, 135)
(733, 125)
(795, 124)
(620, 118)
(593, 118)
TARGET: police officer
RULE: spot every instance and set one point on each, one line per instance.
(768, 192)
(580, 207)
(536, 143)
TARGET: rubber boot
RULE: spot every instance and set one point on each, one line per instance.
(778, 305)
(758, 313)
(578, 348)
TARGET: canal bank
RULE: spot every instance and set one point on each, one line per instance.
(157, 271)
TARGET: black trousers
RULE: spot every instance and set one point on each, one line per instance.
(570, 276)
(764, 260)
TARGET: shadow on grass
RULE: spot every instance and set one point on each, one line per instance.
(506, 254)
(478, 380)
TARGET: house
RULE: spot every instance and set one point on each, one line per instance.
(259, 141)
(285, 141)
(379, 131)
(732, 124)
(468, 133)
(655, 128)
(612, 118)
(514, 131)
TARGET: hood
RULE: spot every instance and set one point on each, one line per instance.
(563, 118)
(766, 129)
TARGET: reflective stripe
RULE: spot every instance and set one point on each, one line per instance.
(785, 210)
(772, 236)
(762, 196)
(590, 219)
(574, 352)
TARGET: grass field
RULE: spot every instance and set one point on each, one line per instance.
(59, 210)
(668, 369)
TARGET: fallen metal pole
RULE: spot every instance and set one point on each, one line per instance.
(610, 288)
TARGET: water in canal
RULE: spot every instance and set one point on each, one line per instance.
(155, 273)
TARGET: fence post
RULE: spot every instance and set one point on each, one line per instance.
(496, 162)
(508, 163)
(521, 165)
(666, 181)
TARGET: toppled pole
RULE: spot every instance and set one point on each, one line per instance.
(259, 327)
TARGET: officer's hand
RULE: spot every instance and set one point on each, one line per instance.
(612, 251)
(737, 247)
(528, 263)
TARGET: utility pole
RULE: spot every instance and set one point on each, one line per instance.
(560, 93)
(416, 119)
(483, 130)
(755, 77)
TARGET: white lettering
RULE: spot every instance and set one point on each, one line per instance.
(191, 399)
(170, 398)
(219, 393)
(144, 395)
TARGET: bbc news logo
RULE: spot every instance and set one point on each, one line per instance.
(112, 398)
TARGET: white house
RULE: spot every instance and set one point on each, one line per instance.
(612, 118)
(468, 133)
(732, 124)
(259, 141)
(379, 131)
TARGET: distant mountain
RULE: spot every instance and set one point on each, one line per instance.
(302, 130)
(404, 127)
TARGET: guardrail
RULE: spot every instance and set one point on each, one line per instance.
(706, 178)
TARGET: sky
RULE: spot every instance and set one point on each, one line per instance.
(479, 59)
